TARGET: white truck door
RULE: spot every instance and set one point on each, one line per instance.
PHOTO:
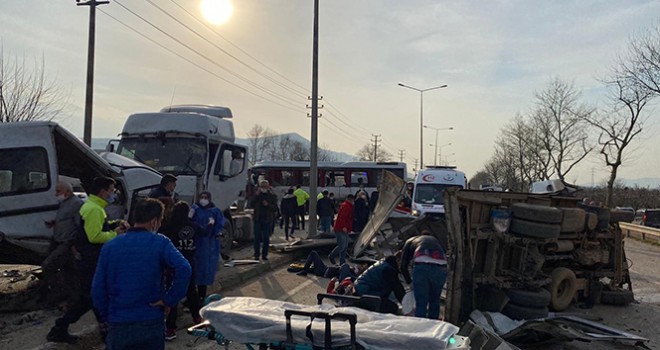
(229, 175)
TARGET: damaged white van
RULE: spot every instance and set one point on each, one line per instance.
(33, 156)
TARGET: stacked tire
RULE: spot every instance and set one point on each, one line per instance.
(527, 304)
(535, 221)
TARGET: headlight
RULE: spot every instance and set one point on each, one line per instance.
(415, 212)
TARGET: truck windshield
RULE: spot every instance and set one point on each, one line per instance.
(175, 155)
(431, 193)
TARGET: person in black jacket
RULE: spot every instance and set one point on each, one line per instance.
(166, 188)
(380, 280)
(182, 230)
(429, 272)
(360, 212)
(289, 211)
(325, 211)
(265, 211)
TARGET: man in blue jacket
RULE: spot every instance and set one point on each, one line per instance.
(128, 291)
(381, 280)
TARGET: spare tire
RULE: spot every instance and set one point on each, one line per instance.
(591, 221)
(617, 297)
(621, 216)
(536, 213)
(536, 298)
(518, 312)
(534, 229)
(573, 220)
(562, 288)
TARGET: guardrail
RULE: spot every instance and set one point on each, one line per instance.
(639, 231)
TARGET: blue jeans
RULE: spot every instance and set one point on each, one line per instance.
(428, 281)
(341, 248)
(262, 231)
(143, 335)
(326, 223)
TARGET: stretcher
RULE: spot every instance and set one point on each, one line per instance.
(271, 324)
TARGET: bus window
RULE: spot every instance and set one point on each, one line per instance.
(359, 178)
(305, 178)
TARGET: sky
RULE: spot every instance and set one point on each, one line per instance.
(493, 55)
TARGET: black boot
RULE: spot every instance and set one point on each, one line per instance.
(61, 335)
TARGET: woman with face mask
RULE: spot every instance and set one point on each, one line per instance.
(207, 254)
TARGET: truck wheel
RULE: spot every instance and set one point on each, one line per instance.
(536, 298)
(227, 239)
(562, 288)
(536, 213)
(591, 221)
(518, 312)
(573, 220)
(621, 216)
(617, 297)
(534, 229)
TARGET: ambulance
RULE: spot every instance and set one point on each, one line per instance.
(430, 184)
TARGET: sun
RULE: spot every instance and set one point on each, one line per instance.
(217, 11)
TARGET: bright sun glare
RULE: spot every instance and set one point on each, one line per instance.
(217, 11)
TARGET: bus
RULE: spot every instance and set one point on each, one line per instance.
(340, 178)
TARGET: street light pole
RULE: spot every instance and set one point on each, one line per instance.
(421, 117)
(436, 141)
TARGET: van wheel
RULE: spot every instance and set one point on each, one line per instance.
(536, 213)
(227, 239)
(534, 229)
(562, 288)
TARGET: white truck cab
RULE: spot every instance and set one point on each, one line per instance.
(34, 156)
(430, 184)
(196, 143)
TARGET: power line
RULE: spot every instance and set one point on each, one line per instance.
(224, 51)
(266, 90)
(194, 63)
(208, 27)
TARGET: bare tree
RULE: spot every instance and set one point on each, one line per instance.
(299, 151)
(560, 118)
(619, 127)
(26, 93)
(260, 141)
(366, 153)
(640, 65)
(325, 155)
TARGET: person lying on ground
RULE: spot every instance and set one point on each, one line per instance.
(319, 268)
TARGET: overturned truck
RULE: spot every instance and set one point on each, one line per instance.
(525, 254)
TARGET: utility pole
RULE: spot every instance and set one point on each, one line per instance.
(375, 141)
(416, 163)
(89, 94)
(402, 153)
(593, 170)
(313, 166)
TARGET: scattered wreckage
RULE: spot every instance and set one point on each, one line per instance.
(516, 255)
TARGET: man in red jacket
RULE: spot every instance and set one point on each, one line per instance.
(343, 225)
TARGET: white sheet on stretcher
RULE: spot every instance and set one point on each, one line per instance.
(255, 320)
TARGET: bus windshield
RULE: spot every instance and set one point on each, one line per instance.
(430, 193)
(175, 155)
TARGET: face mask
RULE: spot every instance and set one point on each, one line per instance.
(61, 198)
(112, 197)
(203, 202)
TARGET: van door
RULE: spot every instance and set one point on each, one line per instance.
(28, 175)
